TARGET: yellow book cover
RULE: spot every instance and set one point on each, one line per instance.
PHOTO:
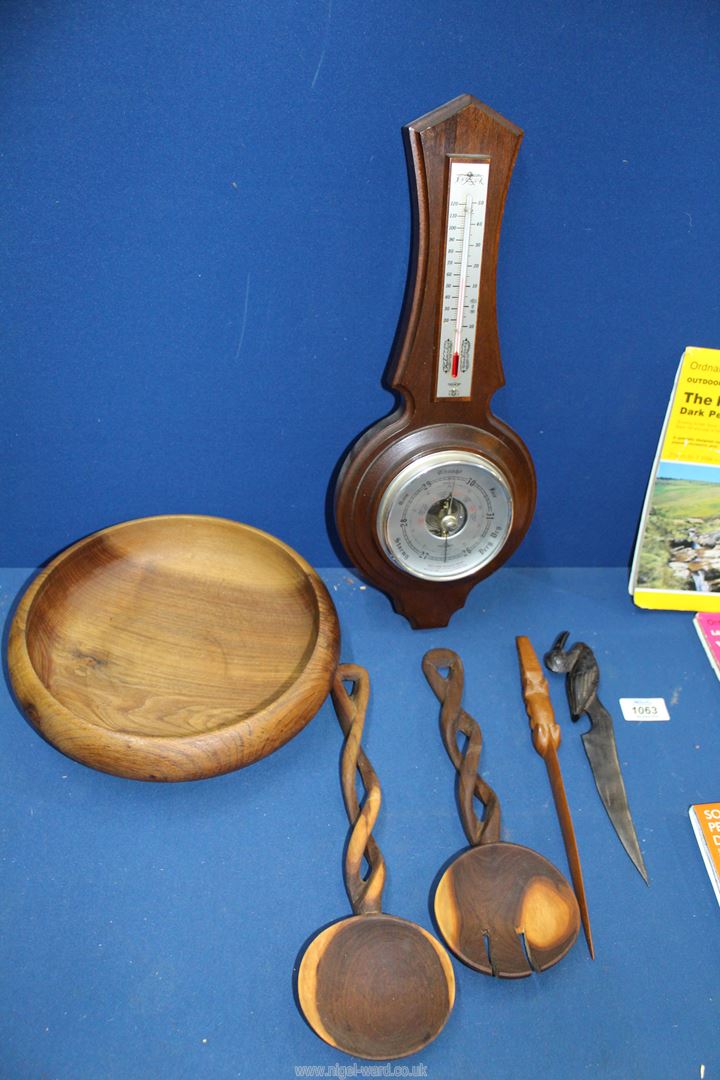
(677, 555)
(705, 820)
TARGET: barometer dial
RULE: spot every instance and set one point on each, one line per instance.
(445, 516)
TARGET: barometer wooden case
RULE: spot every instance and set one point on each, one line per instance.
(437, 495)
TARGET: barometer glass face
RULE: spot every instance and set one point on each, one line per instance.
(445, 515)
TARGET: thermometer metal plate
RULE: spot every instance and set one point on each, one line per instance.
(461, 284)
(437, 495)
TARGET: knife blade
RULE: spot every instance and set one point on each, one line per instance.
(601, 749)
(582, 680)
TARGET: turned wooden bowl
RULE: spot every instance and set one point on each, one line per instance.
(173, 648)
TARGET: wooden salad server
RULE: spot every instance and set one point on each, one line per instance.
(546, 740)
(372, 985)
(502, 908)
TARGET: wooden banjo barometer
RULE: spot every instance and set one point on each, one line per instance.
(437, 495)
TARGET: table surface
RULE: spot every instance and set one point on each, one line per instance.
(151, 930)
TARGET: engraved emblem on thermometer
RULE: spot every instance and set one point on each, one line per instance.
(461, 284)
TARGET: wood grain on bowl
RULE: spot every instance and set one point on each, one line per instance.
(173, 648)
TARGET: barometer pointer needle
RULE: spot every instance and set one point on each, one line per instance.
(448, 510)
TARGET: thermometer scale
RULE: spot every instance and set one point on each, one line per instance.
(463, 256)
(436, 496)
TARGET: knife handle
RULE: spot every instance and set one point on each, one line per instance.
(545, 732)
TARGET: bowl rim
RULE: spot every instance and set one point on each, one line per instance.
(190, 756)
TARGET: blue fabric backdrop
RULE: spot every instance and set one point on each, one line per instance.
(205, 228)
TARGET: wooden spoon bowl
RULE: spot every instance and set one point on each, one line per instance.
(376, 986)
(505, 910)
(173, 648)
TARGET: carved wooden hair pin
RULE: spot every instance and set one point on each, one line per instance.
(372, 985)
(546, 740)
(502, 908)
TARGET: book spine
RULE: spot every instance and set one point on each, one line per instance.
(651, 483)
(709, 858)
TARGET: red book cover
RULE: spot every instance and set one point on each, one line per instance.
(707, 624)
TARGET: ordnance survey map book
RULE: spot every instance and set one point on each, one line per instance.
(677, 555)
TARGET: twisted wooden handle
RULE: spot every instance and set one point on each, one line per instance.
(365, 892)
(545, 731)
(453, 720)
